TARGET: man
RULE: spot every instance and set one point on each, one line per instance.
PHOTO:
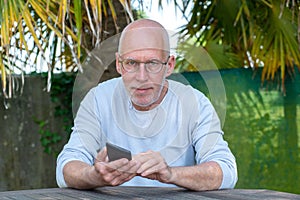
(171, 129)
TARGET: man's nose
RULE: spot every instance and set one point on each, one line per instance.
(141, 73)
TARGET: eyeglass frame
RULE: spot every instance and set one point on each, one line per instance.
(145, 64)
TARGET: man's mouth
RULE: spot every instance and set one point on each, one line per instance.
(142, 90)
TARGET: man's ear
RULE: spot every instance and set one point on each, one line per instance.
(118, 64)
(170, 66)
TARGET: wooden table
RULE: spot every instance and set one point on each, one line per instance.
(139, 193)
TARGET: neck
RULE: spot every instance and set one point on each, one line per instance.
(157, 102)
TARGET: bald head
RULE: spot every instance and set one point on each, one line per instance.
(144, 34)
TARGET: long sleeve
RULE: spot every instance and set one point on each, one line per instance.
(209, 143)
(85, 139)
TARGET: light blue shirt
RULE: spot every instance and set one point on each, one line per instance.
(184, 128)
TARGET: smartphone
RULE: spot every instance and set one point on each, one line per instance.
(115, 152)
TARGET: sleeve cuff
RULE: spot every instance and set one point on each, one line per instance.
(229, 176)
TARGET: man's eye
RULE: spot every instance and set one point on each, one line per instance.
(153, 63)
(130, 62)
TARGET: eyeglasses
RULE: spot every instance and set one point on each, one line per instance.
(152, 66)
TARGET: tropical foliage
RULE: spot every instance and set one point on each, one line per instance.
(238, 33)
(53, 33)
(235, 33)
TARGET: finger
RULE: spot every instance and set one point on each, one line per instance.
(151, 170)
(114, 173)
(122, 174)
(155, 163)
(118, 164)
(102, 155)
(110, 167)
(109, 174)
(151, 162)
(127, 172)
(131, 167)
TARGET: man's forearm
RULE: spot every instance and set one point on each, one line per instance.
(206, 176)
(78, 174)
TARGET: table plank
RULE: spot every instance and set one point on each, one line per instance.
(141, 193)
(249, 194)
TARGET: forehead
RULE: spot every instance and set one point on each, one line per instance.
(145, 54)
(144, 38)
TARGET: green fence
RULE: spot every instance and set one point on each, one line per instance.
(262, 128)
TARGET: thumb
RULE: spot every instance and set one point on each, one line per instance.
(102, 155)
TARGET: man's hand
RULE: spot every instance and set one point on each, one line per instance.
(205, 176)
(80, 175)
(153, 166)
(116, 172)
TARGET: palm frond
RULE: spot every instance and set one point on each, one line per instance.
(276, 44)
(52, 31)
(259, 33)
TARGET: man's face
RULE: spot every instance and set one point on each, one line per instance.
(143, 87)
(141, 43)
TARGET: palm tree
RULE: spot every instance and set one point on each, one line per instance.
(247, 33)
(54, 31)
